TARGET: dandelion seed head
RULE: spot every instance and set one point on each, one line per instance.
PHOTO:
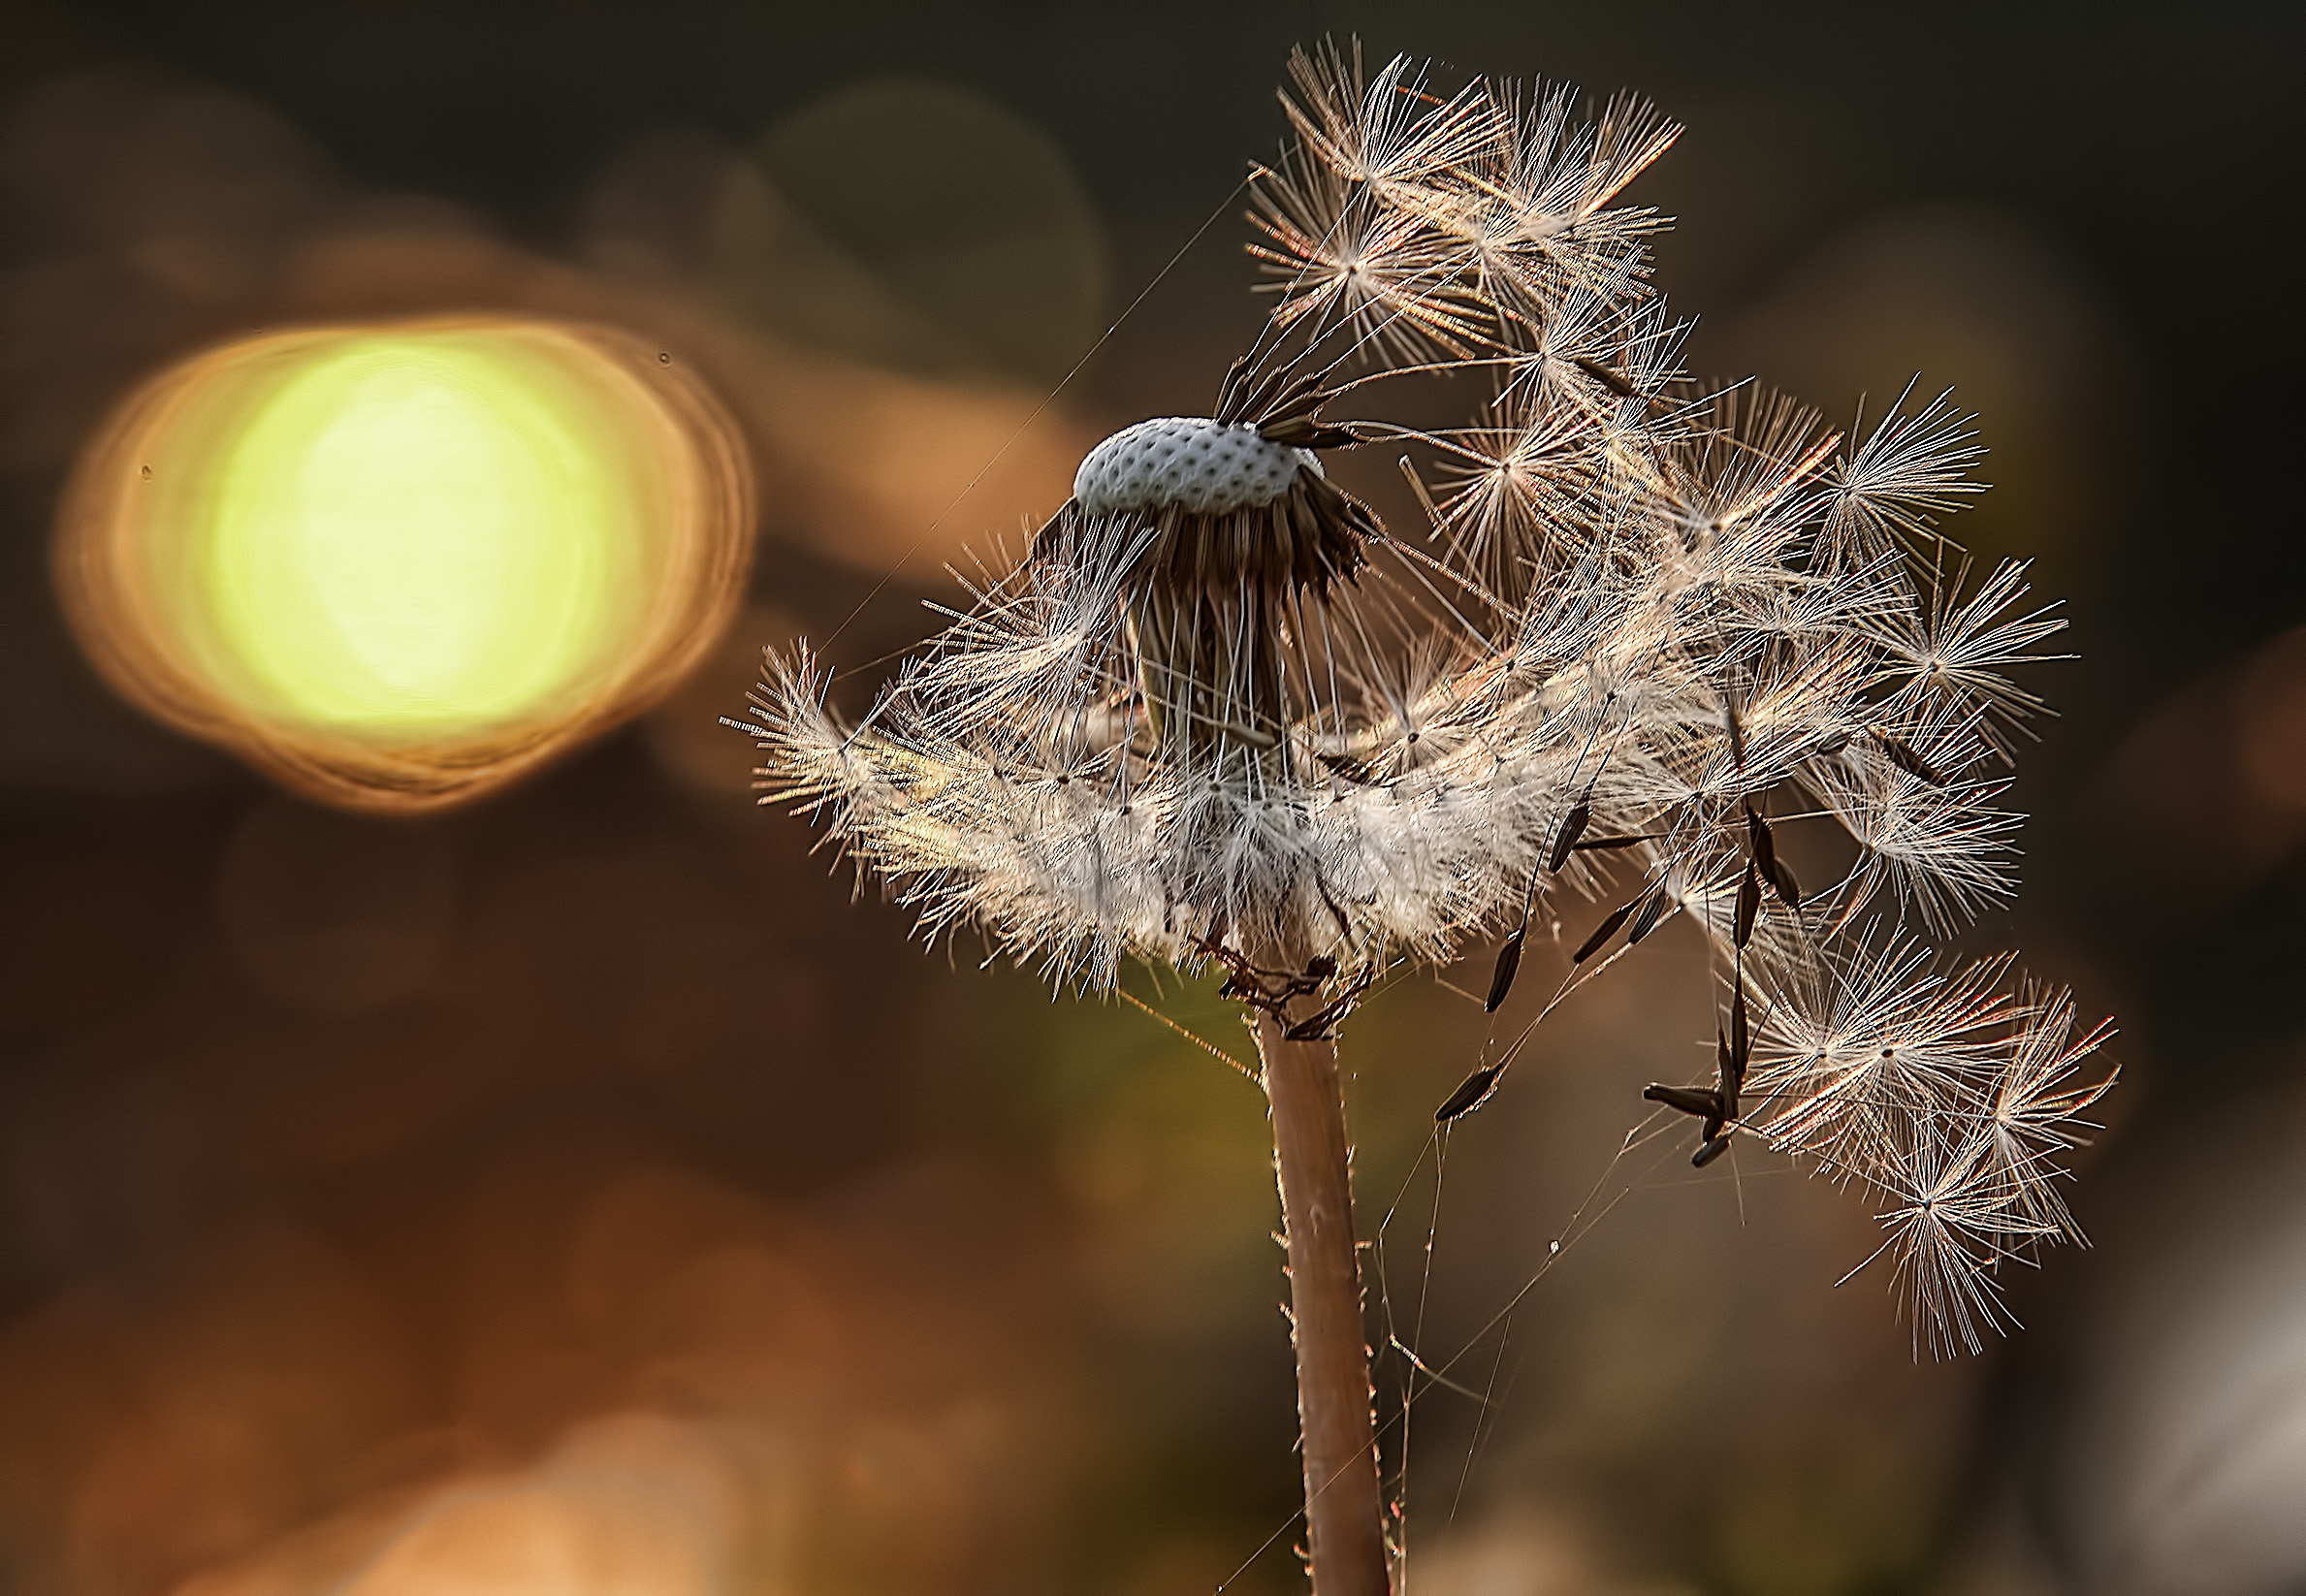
(1219, 705)
(1187, 462)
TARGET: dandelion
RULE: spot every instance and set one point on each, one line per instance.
(1220, 713)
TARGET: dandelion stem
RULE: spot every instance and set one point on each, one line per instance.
(1344, 1512)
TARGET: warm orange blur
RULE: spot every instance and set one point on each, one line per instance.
(576, 1191)
(398, 564)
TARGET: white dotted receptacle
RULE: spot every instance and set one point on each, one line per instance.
(1189, 463)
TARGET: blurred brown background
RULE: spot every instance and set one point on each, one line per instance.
(578, 1192)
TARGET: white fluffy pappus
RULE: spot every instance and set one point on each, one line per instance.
(1221, 709)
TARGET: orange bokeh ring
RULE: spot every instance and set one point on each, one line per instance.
(115, 560)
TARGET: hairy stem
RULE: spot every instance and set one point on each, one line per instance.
(1344, 1510)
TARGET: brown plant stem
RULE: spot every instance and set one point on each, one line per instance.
(1344, 1509)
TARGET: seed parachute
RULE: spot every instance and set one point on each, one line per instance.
(1221, 708)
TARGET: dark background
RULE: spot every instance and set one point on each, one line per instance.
(581, 1175)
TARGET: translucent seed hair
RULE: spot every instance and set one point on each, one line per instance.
(1222, 707)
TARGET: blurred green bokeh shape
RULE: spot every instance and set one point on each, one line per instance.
(913, 223)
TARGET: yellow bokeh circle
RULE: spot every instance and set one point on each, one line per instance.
(397, 565)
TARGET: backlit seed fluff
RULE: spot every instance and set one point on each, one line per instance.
(1220, 703)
